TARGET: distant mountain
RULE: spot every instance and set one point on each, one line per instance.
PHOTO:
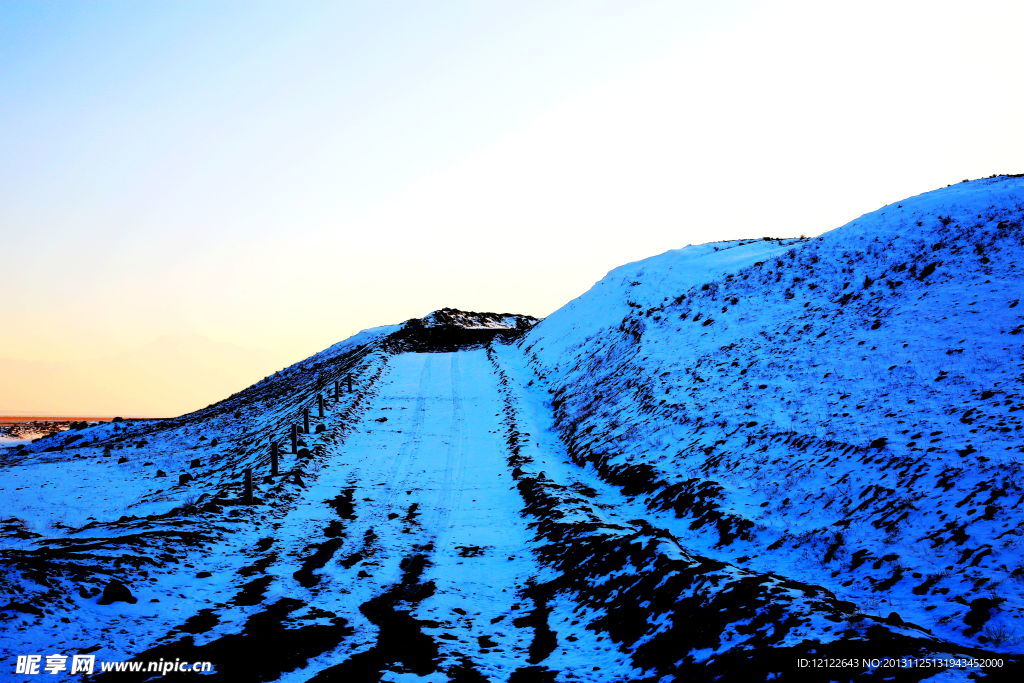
(767, 459)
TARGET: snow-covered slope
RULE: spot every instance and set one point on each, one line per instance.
(641, 285)
(716, 463)
(843, 411)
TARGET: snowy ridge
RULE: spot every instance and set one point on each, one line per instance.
(643, 284)
(716, 462)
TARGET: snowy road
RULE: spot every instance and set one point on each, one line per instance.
(413, 533)
(427, 469)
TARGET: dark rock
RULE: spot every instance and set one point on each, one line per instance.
(23, 607)
(115, 591)
(980, 612)
(450, 329)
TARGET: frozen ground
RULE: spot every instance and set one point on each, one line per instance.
(717, 462)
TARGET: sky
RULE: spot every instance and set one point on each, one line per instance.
(195, 194)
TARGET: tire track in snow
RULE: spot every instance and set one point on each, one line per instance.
(450, 488)
(360, 577)
(480, 559)
(360, 531)
(410, 445)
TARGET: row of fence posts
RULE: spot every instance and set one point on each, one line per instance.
(275, 452)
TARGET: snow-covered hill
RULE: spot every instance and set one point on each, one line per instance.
(717, 462)
(844, 411)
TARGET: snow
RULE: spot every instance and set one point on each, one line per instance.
(775, 403)
(714, 453)
(640, 285)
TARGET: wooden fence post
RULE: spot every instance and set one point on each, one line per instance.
(320, 404)
(247, 493)
(273, 458)
(305, 420)
(295, 439)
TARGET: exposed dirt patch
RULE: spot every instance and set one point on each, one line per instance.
(323, 552)
(401, 643)
(269, 645)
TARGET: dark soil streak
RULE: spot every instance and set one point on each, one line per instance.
(306, 576)
(401, 643)
(265, 649)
